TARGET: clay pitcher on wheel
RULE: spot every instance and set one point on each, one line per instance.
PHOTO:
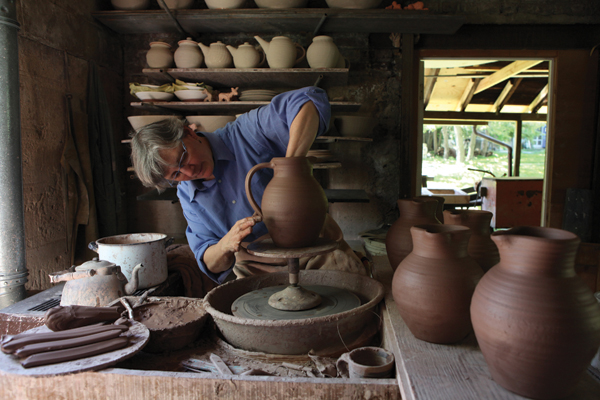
(294, 205)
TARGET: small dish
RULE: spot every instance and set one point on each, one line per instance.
(210, 123)
(191, 94)
(139, 121)
(154, 96)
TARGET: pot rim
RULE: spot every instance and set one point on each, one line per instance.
(160, 237)
(291, 322)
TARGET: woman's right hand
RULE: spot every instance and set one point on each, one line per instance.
(242, 228)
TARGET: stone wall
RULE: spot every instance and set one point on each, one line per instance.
(57, 39)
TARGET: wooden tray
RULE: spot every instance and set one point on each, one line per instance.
(139, 336)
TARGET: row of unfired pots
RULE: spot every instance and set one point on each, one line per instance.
(280, 52)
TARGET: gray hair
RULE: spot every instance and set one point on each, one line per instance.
(146, 145)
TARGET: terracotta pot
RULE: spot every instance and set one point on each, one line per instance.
(439, 211)
(322, 53)
(159, 55)
(294, 205)
(398, 241)
(188, 54)
(537, 323)
(481, 247)
(433, 285)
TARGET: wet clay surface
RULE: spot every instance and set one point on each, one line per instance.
(168, 314)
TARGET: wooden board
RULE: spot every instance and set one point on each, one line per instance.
(428, 371)
(252, 77)
(223, 107)
(139, 336)
(277, 21)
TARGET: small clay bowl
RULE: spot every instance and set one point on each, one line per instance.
(173, 322)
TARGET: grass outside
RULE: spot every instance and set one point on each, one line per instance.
(449, 174)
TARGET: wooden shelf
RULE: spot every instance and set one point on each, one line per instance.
(277, 21)
(327, 165)
(222, 107)
(253, 77)
(333, 139)
(333, 195)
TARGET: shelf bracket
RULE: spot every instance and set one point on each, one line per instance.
(318, 81)
(319, 25)
(167, 76)
(185, 34)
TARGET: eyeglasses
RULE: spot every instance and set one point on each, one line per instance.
(173, 181)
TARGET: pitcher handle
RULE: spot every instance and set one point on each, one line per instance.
(303, 53)
(249, 189)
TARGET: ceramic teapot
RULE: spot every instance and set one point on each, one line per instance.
(281, 51)
(94, 283)
(216, 55)
(246, 56)
(188, 54)
(294, 205)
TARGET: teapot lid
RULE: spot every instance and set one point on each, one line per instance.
(94, 264)
(164, 44)
(188, 41)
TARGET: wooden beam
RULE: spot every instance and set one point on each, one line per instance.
(430, 81)
(538, 101)
(482, 116)
(506, 73)
(502, 97)
(467, 95)
(509, 90)
(453, 122)
(517, 147)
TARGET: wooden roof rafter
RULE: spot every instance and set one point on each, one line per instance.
(509, 89)
(467, 95)
(538, 102)
(506, 73)
(429, 85)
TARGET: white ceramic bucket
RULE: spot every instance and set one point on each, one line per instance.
(129, 250)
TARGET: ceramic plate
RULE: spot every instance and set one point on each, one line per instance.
(139, 336)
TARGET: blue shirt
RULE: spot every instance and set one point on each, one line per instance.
(212, 207)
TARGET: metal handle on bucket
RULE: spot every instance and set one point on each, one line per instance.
(93, 246)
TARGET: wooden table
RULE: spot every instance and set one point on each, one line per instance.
(430, 371)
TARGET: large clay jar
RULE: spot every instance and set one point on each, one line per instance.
(294, 205)
(159, 55)
(398, 241)
(216, 55)
(281, 51)
(537, 323)
(322, 53)
(439, 211)
(433, 285)
(188, 54)
(481, 247)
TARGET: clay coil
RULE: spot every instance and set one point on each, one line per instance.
(15, 342)
(43, 347)
(53, 357)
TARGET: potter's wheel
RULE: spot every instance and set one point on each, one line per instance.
(293, 297)
(255, 304)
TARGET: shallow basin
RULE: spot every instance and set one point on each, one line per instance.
(326, 335)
